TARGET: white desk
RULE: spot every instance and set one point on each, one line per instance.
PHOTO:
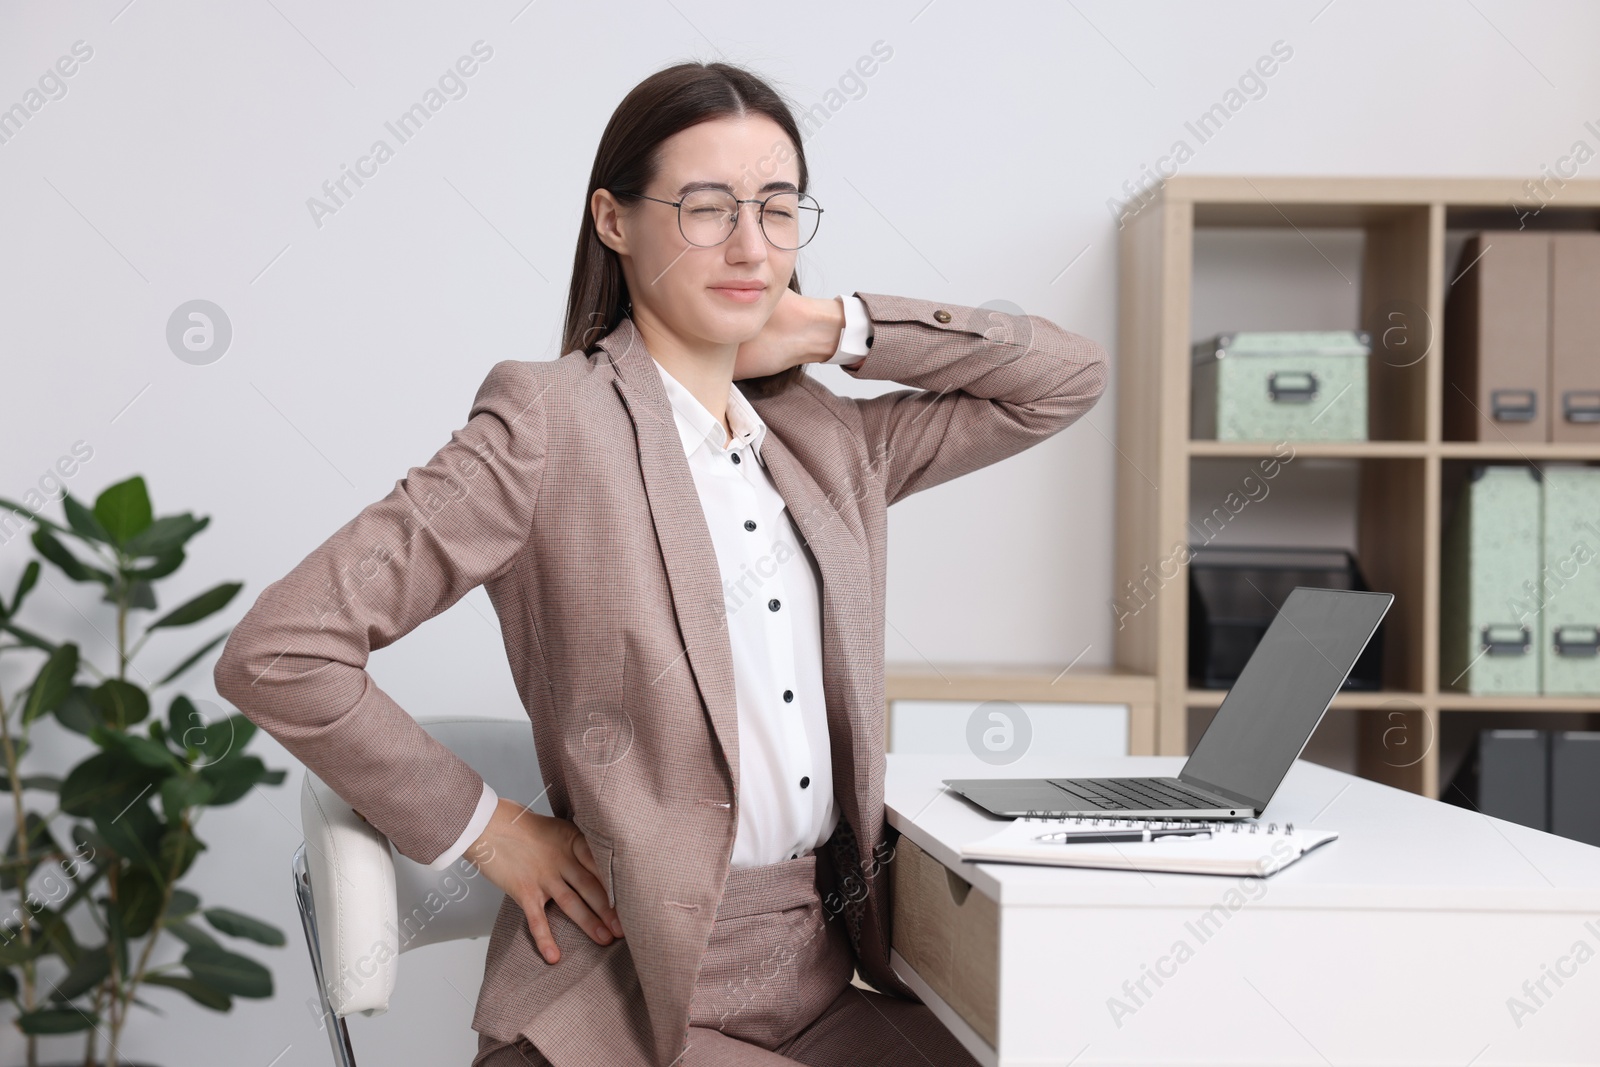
(1407, 941)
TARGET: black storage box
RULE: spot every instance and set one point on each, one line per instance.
(1234, 593)
(1506, 775)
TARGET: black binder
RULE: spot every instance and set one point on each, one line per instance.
(1575, 785)
(1507, 776)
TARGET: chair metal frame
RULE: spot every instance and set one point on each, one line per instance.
(337, 1029)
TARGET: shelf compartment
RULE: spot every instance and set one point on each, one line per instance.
(1380, 268)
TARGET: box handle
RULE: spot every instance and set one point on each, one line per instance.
(1513, 405)
(1581, 405)
(1506, 639)
(1292, 387)
(1577, 640)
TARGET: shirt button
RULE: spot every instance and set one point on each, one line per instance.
(749, 524)
(805, 782)
(788, 696)
(736, 457)
(773, 604)
(942, 315)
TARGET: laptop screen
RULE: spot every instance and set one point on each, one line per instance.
(1280, 696)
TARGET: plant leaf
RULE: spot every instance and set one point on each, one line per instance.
(141, 750)
(48, 783)
(165, 535)
(182, 791)
(223, 738)
(233, 777)
(92, 968)
(205, 995)
(182, 903)
(139, 898)
(191, 611)
(231, 922)
(124, 509)
(141, 595)
(184, 726)
(164, 565)
(78, 711)
(190, 934)
(105, 779)
(192, 660)
(134, 833)
(40, 841)
(228, 971)
(27, 637)
(55, 1021)
(9, 988)
(13, 951)
(174, 840)
(52, 684)
(120, 703)
(30, 578)
(83, 522)
(73, 567)
(38, 519)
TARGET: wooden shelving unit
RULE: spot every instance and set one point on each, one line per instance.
(1403, 471)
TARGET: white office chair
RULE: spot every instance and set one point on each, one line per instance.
(363, 904)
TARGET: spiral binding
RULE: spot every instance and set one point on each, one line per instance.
(1105, 823)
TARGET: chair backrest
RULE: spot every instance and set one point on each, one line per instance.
(371, 902)
(458, 901)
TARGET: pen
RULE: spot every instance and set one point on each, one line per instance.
(1066, 837)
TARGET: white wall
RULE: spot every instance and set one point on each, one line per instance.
(975, 164)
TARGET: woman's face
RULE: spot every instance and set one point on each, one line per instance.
(675, 283)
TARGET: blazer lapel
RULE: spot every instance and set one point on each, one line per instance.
(854, 734)
(680, 523)
(846, 607)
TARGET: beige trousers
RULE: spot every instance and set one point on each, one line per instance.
(774, 989)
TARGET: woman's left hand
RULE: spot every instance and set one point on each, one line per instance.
(802, 329)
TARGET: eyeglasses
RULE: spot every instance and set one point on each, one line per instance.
(707, 217)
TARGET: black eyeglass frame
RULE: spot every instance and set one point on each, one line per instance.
(760, 216)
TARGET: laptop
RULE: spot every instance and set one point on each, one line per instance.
(1258, 732)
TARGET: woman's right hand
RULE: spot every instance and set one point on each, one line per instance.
(536, 858)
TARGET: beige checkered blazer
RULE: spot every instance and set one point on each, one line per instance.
(567, 495)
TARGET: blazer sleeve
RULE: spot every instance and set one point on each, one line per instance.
(987, 384)
(296, 663)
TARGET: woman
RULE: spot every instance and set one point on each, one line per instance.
(690, 578)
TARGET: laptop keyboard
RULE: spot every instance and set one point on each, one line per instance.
(1115, 794)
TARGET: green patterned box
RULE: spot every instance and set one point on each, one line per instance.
(1489, 632)
(1303, 386)
(1569, 651)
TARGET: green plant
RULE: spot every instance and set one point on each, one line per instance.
(131, 806)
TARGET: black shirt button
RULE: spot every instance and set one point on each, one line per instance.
(788, 696)
(749, 524)
(736, 457)
(773, 604)
(805, 781)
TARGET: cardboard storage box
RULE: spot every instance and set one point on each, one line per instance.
(1488, 631)
(1569, 590)
(1281, 386)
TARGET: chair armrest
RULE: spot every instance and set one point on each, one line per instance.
(352, 880)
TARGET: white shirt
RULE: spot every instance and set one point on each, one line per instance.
(772, 592)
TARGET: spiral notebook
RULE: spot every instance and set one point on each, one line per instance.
(1246, 847)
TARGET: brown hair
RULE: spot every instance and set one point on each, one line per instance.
(627, 161)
